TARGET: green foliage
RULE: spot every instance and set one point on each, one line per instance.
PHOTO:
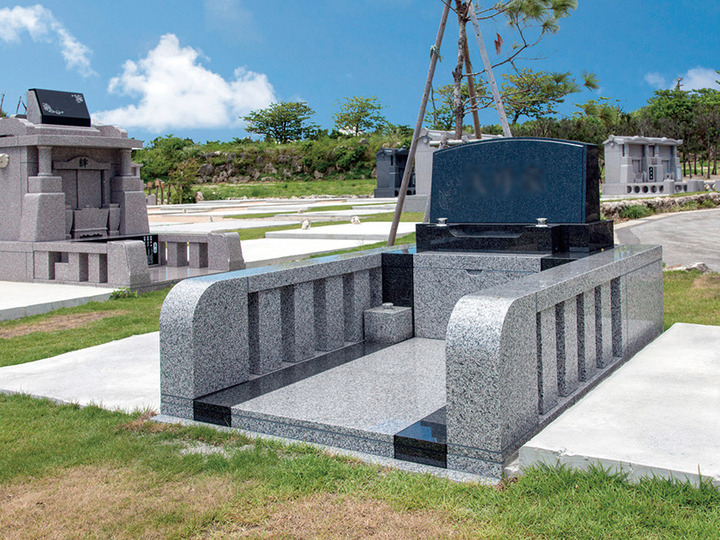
(536, 94)
(635, 212)
(182, 177)
(533, 94)
(441, 111)
(359, 114)
(544, 13)
(162, 156)
(123, 292)
(283, 122)
(299, 188)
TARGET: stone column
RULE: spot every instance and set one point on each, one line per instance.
(44, 161)
(127, 191)
(43, 206)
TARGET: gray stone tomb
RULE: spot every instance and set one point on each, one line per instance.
(532, 315)
(74, 209)
(644, 166)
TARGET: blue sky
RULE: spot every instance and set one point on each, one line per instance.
(192, 67)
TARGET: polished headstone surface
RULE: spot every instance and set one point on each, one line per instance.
(516, 180)
(62, 108)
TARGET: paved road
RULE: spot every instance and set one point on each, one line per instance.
(686, 237)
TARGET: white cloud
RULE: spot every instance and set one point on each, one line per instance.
(656, 80)
(42, 26)
(176, 91)
(700, 77)
(693, 79)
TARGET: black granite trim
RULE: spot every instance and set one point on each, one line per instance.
(215, 408)
(397, 279)
(424, 442)
(515, 237)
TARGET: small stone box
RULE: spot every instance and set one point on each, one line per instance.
(388, 323)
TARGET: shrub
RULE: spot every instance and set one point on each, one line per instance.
(635, 212)
(123, 292)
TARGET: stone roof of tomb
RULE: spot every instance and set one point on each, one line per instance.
(15, 131)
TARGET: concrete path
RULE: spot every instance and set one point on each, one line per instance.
(23, 299)
(656, 415)
(686, 237)
(122, 374)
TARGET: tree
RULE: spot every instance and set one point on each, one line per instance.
(441, 114)
(529, 22)
(359, 114)
(282, 122)
(162, 156)
(182, 177)
(537, 93)
(669, 113)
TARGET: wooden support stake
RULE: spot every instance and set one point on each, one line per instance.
(418, 125)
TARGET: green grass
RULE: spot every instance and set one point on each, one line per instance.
(636, 212)
(286, 190)
(691, 297)
(127, 317)
(41, 439)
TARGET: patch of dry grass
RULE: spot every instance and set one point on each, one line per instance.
(58, 322)
(335, 516)
(101, 502)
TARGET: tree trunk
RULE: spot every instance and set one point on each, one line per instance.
(707, 159)
(471, 90)
(458, 105)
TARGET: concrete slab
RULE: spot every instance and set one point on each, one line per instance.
(267, 251)
(24, 299)
(377, 232)
(686, 237)
(656, 415)
(123, 374)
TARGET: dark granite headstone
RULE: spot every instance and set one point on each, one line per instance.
(62, 108)
(516, 180)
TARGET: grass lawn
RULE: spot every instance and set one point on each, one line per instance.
(691, 297)
(71, 472)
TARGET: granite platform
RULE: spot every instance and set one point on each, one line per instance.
(362, 405)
